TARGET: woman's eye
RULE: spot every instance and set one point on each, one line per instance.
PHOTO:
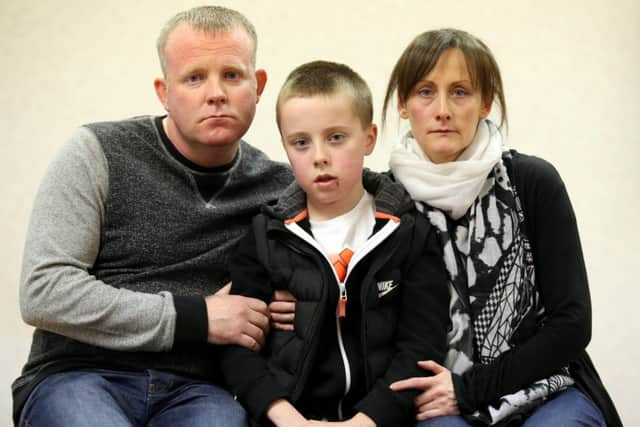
(459, 91)
(426, 92)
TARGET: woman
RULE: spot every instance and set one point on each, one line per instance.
(520, 307)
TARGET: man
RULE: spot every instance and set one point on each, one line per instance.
(125, 260)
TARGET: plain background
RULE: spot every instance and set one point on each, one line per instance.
(571, 72)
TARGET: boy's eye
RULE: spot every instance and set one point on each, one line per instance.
(299, 143)
(336, 137)
(194, 78)
(232, 75)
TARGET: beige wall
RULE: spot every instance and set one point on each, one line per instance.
(571, 73)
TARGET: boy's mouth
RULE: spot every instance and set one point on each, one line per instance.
(324, 178)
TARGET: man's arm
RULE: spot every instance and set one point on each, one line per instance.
(57, 292)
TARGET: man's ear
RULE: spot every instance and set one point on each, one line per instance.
(160, 86)
(261, 79)
(372, 136)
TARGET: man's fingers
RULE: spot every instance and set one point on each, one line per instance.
(282, 307)
(282, 326)
(282, 295)
(282, 318)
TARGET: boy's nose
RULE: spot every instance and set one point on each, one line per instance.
(320, 157)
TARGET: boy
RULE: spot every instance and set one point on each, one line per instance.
(366, 272)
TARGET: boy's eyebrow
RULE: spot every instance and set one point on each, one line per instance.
(297, 134)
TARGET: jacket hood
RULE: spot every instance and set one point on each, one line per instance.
(390, 197)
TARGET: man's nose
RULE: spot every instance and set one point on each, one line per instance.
(216, 93)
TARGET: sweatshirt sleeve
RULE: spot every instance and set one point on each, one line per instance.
(57, 291)
(561, 280)
(420, 335)
(244, 370)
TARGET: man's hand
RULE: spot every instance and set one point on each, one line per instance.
(234, 319)
(438, 396)
(282, 310)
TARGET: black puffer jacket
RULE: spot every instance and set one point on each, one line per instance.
(396, 312)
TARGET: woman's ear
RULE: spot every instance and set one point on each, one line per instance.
(487, 103)
(402, 110)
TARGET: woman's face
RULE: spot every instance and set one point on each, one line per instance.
(444, 108)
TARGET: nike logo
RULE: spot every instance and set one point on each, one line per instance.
(385, 287)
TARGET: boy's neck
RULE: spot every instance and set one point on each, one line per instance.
(336, 209)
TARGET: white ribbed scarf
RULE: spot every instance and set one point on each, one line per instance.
(452, 186)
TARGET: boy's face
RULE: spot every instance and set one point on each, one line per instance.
(326, 144)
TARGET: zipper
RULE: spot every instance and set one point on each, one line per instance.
(373, 242)
(342, 299)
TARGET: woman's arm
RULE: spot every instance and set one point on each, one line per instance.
(561, 280)
(421, 330)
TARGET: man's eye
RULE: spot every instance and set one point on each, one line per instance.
(232, 75)
(194, 78)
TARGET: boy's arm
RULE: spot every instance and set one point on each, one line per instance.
(246, 371)
(421, 331)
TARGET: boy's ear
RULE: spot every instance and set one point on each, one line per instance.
(372, 136)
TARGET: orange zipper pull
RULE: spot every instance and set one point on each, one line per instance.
(342, 301)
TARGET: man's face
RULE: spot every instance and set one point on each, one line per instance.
(210, 92)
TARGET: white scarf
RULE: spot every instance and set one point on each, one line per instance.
(452, 186)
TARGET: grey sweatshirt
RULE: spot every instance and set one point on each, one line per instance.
(122, 248)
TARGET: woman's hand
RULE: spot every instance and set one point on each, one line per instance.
(282, 310)
(438, 396)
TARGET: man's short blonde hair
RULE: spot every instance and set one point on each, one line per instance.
(210, 19)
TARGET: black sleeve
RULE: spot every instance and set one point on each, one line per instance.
(421, 331)
(244, 370)
(561, 280)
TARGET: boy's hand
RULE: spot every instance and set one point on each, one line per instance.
(234, 319)
(282, 310)
(358, 420)
(284, 414)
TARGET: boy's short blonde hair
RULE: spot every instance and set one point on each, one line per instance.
(328, 78)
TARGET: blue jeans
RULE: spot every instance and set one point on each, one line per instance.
(568, 408)
(97, 398)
